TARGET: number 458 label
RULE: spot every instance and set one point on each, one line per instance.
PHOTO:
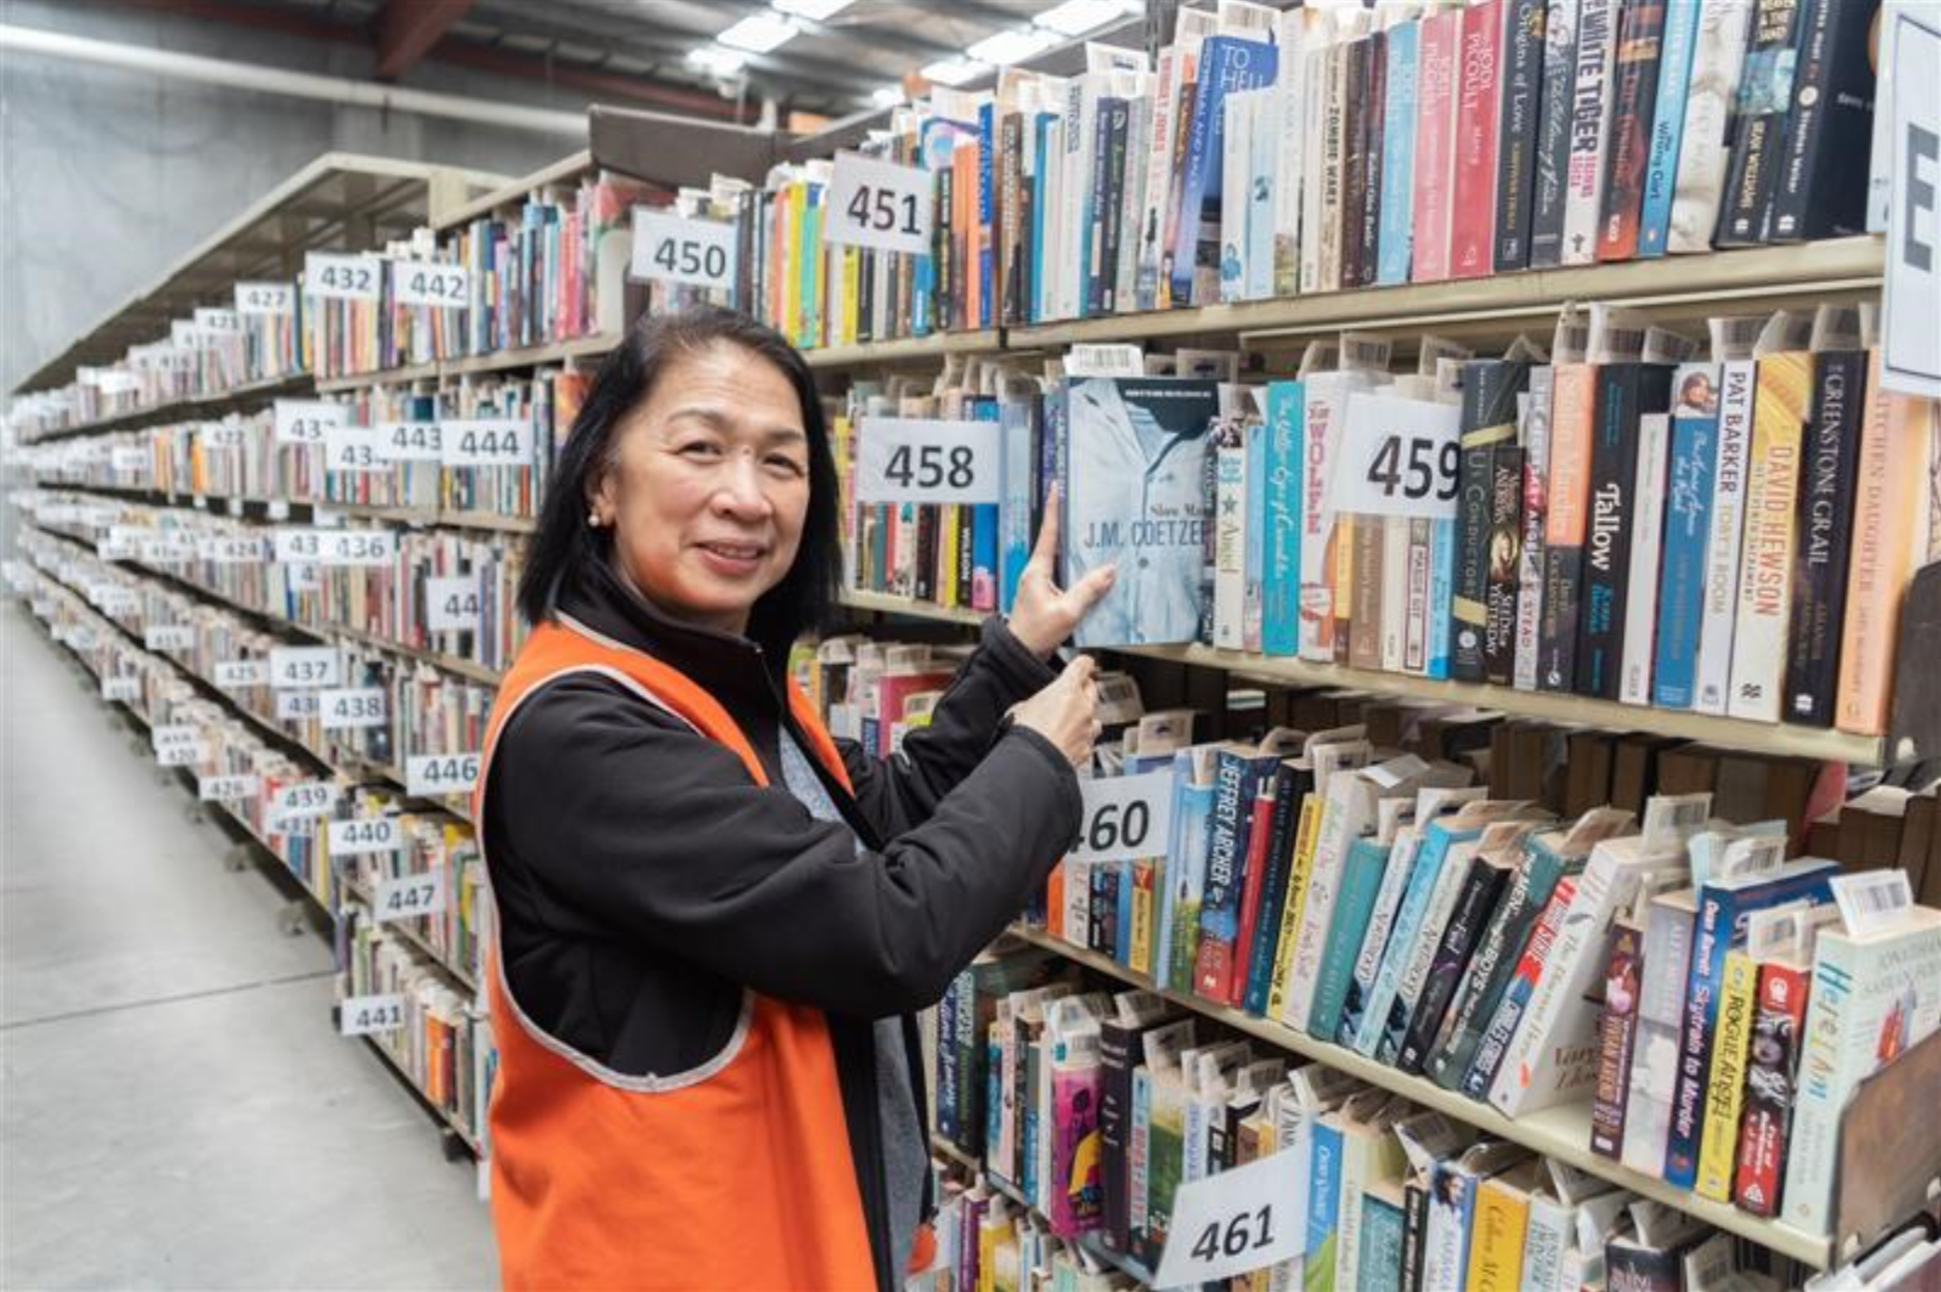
(879, 204)
(674, 249)
(907, 459)
(1399, 457)
(1239, 1220)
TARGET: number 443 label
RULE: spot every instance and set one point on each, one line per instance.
(1240, 1220)
(1399, 457)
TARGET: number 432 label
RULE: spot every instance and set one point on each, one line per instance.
(1399, 457)
(909, 459)
(1239, 1220)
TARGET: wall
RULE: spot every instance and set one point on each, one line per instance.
(107, 176)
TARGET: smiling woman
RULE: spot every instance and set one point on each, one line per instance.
(713, 921)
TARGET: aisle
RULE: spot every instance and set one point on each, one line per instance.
(175, 1110)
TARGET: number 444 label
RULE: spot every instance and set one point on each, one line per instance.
(1240, 1220)
(1399, 457)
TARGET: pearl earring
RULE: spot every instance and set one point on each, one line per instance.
(593, 519)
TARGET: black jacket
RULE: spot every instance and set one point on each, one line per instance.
(643, 880)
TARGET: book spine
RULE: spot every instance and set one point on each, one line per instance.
(1688, 524)
(1317, 64)
(1373, 125)
(1472, 237)
(1776, 1028)
(1396, 587)
(1568, 496)
(1726, 1079)
(1551, 153)
(1823, 524)
(1490, 969)
(1294, 908)
(1374, 942)
(1590, 128)
(1718, 56)
(1622, 396)
(1255, 544)
(1259, 833)
(1522, 83)
(1635, 89)
(1352, 911)
(1357, 70)
(1647, 544)
(1441, 597)
(1517, 993)
(1398, 155)
(1821, 185)
(1264, 944)
(1220, 907)
(1334, 152)
(1530, 553)
(1281, 614)
(1616, 1030)
(1503, 564)
(1488, 423)
(1738, 385)
(1667, 125)
(1229, 520)
(1366, 589)
(1474, 903)
(1759, 123)
(1435, 145)
(1415, 1224)
(1766, 565)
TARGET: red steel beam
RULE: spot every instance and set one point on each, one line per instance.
(407, 29)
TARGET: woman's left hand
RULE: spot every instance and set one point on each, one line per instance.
(1043, 615)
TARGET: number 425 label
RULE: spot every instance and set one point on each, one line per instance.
(1244, 1219)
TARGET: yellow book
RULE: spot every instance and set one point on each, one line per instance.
(1291, 910)
(852, 288)
(1139, 955)
(1760, 634)
(1496, 1234)
(797, 213)
(947, 549)
(1725, 1083)
(992, 1229)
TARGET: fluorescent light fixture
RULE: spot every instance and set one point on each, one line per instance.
(813, 10)
(887, 96)
(715, 59)
(953, 71)
(1076, 17)
(759, 32)
(1013, 46)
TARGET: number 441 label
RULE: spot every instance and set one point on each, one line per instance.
(1240, 1220)
(367, 1015)
(1399, 457)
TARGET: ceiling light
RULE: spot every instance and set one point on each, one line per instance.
(953, 71)
(715, 59)
(759, 32)
(1076, 17)
(813, 10)
(887, 96)
(1013, 46)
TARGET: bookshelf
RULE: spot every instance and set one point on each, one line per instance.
(402, 930)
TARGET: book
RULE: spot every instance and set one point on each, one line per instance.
(1362, 881)
(1680, 36)
(1711, 91)
(1625, 392)
(1592, 103)
(1725, 1081)
(1348, 812)
(1521, 79)
(1766, 565)
(1536, 512)
(1370, 1158)
(1687, 530)
(1475, 903)
(1501, 1221)
(1453, 1190)
(1738, 382)
(1617, 1034)
(1284, 465)
(1551, 151)
(1438, 59)
(1238, 774)
(1567, 499)
(1653, 1078)
(1641, 614)
(1634, 91)
(1823, 530)
(1226, 65)
(1121, 1045)
(1503, 564)
(1756, 135)
(1489, 398)
(1821, 185)
(1397, 195)
(1477, 103)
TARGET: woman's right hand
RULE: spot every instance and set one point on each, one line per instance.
(1067, 712)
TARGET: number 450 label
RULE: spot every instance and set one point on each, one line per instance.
(1239, 1220)
(674, 249)
(1399, 457)
(409, 896)
(909, 459)
(879, 204)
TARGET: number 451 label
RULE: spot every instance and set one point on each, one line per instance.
(879, 204)
(1399, 457)
(1240, 1220)
(908, 459)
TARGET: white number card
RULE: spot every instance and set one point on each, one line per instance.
(335, 547)
(228, 789)
(304, 801)
(414, 282)
(430, 775)
(230, 549)
(127, 690)
(363, 835)
(369, 1015)
(265, 298)
(303, 666)
(1399, 457)
(296, 706)
(1910, 357)
(452, 604)
(913, 459)
(219, 322)
(1125, 816)
(879, 204)
(231, 673)
(409, 896)
(672, 248)
(128, 457)
(354, 707)
(349, 278)
(307, 421)
(173, 734)
(168, 637)
(1244, 1219)
(353, 448)
(410, 442)
(181, 755)
(487, 442)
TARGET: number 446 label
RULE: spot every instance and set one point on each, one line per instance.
(1399, 457)
(1240, 1220)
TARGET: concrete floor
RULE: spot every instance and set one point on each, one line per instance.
(175, 1110)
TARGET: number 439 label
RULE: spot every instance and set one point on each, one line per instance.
(1240, 1220)
(1399, 457)
(908, 459)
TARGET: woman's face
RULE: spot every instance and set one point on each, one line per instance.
(710, 485)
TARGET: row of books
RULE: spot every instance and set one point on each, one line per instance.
(1090, 1110)
(1730, 537)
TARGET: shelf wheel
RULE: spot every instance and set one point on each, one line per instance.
(292, 919)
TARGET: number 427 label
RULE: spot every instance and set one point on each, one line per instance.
(1244, 1219)
(1399, 457)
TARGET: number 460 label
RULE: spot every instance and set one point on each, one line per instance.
(1125, 816)
(1399, 457)
(1239, 1220)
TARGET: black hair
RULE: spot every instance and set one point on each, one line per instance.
(564, 546)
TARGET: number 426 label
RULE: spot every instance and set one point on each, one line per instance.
(1244, 1219)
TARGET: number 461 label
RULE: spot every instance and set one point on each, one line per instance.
(1240, 1220)
(1399, 457)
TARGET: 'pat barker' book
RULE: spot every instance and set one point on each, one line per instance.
(1139, 503)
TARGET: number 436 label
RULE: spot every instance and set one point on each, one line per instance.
(1239, 1220)
(1399, 457)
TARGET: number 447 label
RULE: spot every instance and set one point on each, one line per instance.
(1399, 457)
(1240, 1220)
(366, 1015)
(409, 896)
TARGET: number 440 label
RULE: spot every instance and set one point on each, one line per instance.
(1399, 457)
(1240, 1220)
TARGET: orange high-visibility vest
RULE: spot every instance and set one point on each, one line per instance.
(736, 1174)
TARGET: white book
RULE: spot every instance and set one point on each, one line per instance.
(1052, 162)
(1314, 110)
(1647, 541)
(1661, 1014)
(1347, 813)
(1738, 384)
(1293, 34)
(1547, 1232)
(1529, 573)
(1235, 163)
(1590, 128)
(1553, 1055)
(1717, 57)
(1230, 543)
(1081, 124)
(1262, 181)
(1325, 398)
(1156, 191)
(1395, 590)
(1125, 296)
(1422, 951)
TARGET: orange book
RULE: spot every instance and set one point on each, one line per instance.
(1055, 901)
(1574, 386)
(1890, 510)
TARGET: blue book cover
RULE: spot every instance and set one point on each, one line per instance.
(1280, 621)
(1381, 1242)
(1139, 504)
(987, 244)
(1236, 787)
(1286, 807)
(1383, 1005)
(1723, 908)
(808, 251)
(1227, 64)
(1041, 130)
(984, 528)
(1323, 1206)
(1020, 470)
(1398, 157)
(936, 142)
(1254, 558)
(1688, 528)
(1361, 880)
(1122, 946)
(993, 1088)
(1680, 38)
(1442, 594)
(1176, 934)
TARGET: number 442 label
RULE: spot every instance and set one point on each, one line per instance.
(1399, 457)
(1240, 1220)
(909, 459)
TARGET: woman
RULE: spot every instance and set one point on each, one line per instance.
(713, 921)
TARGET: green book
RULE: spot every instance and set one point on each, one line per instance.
(1381, 1239)
(1361, 880)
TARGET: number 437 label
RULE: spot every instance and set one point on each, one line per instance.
(1399, 457)
(1239, 1220)
(909, 459)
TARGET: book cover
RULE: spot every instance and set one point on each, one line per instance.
(1473, 222)
(1738, 382)
(1616, 1034)
(1281, 575)
(1347, 812)
(1410, 916)
(1756, 134)
(1372, 1161)
(1766, 563)
(1226, 64)
(1647, 546)
(1551, 152)
(1820, 190)
(1823, 525)
(1328, 405)
(1635, 88)
(1179, 934)
(1361, 882)
(1711, 89)
(1076, 1196)
(1490, 388)
(1397, 193)
(1687, 530)
(1503, 563)
(1667, 125)
(1725, 1082)
(1538, 404)
(1653, 1079)
(1357, 73)
(1237, 777)
(1624, 393)
(1521, 77)
(1139, 504)
(1503, 1022)
(1374, 942)
(1292, 783)
(1435, 144)
(1592, 100)
(1502, 1217)
(1324, 1205)
(1380, 1263)
(1475, 903)
(1568, 498)
(1777, 1019)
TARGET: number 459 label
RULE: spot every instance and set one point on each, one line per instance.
(1399, 457)
(879, 204)
(674, 249)
(1125, 817)
(907, 459)
(1240, 1220)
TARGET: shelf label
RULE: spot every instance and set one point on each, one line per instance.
(370, 1015)
(233, 673)
(432, 775)
(307, 421)
(879, 205)
(362, 835)
(1873, 901)
(418, 282)
(355, 707)
(1240, 1220)
(340, 277)
(916, 459)
(352, 448)
(407, 897)
(118, 544)
(230, 549)
(335, 547)
(128, 457)
(1398, 457)
(266, 298)
(303, 666)
(673, 248)
(487, 442)
(1910, 356)
(125, 689)
(1125, 817)
(221, 435)
(304, 801)
(116, 601)
(296, 706)
(228, 789)
(409, 442)
(219, 322)
(172, 734)
(167, 549)
(452, 604)
(181, 755)
(167, 637)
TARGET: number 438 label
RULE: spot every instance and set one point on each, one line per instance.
(1399, 457)
(1239, 1220)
